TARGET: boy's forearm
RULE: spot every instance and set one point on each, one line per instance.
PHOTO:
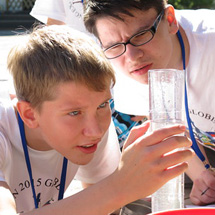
(99, 199)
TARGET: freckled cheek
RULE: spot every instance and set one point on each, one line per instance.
(158, 54)
(105, 120)
(163, 47)
(69, 128)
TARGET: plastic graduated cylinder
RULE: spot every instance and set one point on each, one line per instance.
(166, 100)
(171, 195)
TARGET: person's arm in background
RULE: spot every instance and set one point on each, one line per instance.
(116, 212)
(7, 202)
(202, 180)
(51, 21)
(49, 12)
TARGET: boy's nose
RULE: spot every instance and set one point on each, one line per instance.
(93, 128)
(133, 52)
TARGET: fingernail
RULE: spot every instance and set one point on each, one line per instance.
(182, 127)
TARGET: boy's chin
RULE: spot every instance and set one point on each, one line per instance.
(82, 162)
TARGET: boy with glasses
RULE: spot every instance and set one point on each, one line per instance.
(138, 35)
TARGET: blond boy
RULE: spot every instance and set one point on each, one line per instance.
(62, 81)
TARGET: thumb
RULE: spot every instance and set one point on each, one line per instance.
(136, 132)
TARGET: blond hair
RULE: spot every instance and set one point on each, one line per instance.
(55, 54)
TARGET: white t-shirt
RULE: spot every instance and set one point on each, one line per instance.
(200, 30)
(70, 12)
(46, 165)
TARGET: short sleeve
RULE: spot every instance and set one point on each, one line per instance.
(49, 8)
(4, 147)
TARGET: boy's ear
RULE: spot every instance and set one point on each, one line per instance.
(172, 21)
(27, 113)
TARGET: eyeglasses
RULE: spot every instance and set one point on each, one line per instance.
(138, 39)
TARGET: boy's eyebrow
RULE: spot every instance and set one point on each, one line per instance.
(78, 107)
(142, 28)
(106, 100)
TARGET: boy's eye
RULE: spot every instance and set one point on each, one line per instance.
(74, 113)
(103, 105)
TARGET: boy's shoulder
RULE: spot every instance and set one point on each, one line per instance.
(198, 21)
(7, 108)
(8, 120)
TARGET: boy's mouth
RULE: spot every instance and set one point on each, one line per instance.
(88, 148)
(142, 70)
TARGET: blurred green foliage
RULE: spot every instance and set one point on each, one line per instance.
(192, 4)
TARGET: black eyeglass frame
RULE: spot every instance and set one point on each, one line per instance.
(153, 30)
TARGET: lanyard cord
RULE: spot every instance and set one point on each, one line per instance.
(28, 163)
(195, 146)
(63, 179)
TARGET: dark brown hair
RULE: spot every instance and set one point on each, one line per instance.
(96, 9)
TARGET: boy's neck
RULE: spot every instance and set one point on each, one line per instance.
(186, 45)
(176, 61)
(34, 139)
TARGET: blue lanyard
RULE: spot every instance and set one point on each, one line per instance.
(195, 146)
(27, 160)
